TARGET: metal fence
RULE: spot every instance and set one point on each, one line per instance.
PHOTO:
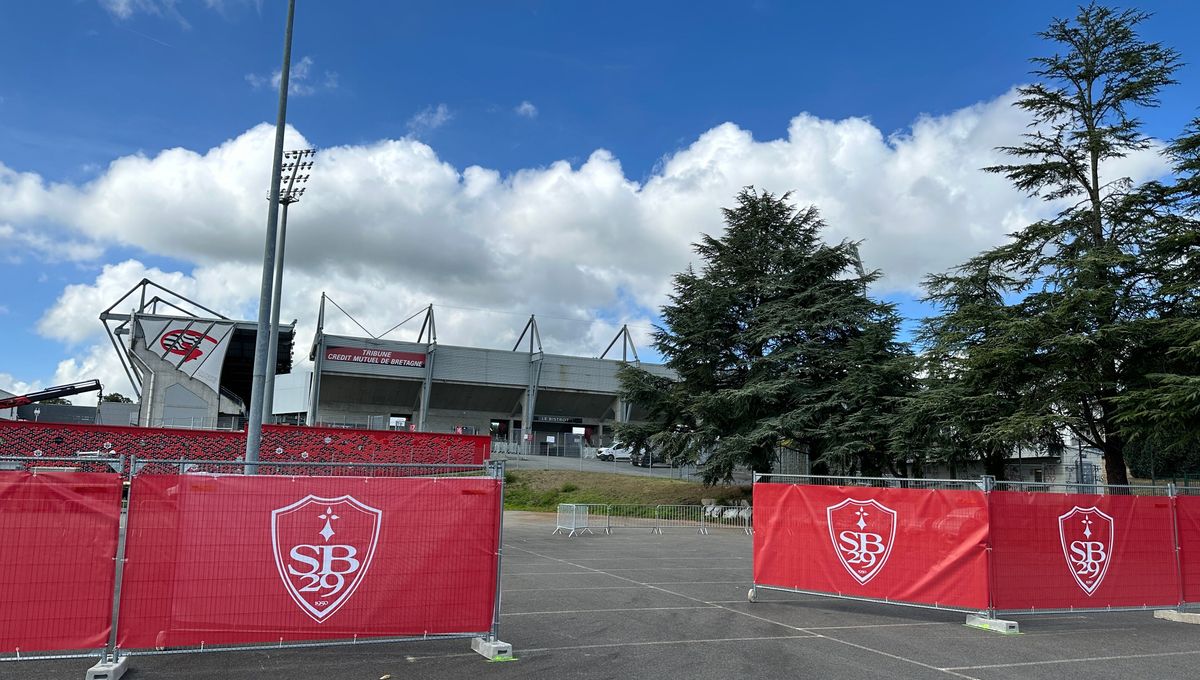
(986, 485)
(878, 482)
(113, 656)
(579, 518)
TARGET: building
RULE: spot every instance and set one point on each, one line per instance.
(525, 397)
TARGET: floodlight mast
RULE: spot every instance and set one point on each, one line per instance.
(258, 383)
(296, 164)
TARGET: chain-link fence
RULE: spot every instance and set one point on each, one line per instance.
(113, 558)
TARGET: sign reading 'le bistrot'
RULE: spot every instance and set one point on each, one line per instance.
(379, 357)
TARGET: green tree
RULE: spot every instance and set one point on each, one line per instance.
(116, 397)
(773, 340)
(1161, 417)
(1074, 305)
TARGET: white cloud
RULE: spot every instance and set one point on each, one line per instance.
(526, 109)
(46, 244)
(430, 118)
(301, 83)
(123, 10)
(388, 227)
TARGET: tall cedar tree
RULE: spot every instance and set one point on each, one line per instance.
(774, 342)
(1085, 323)
(1162, 417)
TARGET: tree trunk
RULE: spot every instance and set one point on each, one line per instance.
(1114, 459)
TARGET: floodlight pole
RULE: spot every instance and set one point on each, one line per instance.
(262, 337)
(288, 197)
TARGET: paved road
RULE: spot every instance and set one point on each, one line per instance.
(673, 607)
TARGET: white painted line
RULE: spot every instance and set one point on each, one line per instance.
(688, 583)
(1089, 659)
(650, 643)
(600, 611)
(798, 629)
(570, 589)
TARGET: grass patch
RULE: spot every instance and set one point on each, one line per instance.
(543, 490)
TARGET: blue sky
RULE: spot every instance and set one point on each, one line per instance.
(511, 88)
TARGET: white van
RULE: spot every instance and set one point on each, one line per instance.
(617, 451)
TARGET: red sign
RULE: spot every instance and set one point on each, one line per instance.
(1059, 551)
(230, 559)
(185, 342)
(380, 357)
(59, 533)
(907, 545)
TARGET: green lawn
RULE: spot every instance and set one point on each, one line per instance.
(543, 490)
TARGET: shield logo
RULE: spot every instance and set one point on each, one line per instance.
(1087, 542)
(323, 549)
(862, 533)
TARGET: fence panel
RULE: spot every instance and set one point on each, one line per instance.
(916, 546)
(219, 560)
(1187, 506)
(58, 539)
(1055, 551)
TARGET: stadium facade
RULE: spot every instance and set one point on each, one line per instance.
(191, 368)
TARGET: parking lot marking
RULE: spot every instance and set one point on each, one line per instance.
(569, 588)
(641, 643)
(897, 657)
(600, 611)
(1090, 659)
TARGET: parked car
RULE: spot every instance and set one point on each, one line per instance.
(615, 452)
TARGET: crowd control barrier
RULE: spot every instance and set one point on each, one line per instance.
(978, 546)
(579, 518)
(200, 557)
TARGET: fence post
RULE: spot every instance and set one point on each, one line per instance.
(657, 512)
(1173, 493)
(608, 520)
(988, 482)
(109, 666)
(492, 647)
(703, 514)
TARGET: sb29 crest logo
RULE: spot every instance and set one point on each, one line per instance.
(1087, 542)
(862, 533)
(323, 549)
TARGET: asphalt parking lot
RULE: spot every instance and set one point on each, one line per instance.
(636, 605)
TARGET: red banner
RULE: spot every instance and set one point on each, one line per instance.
(1188, 509)
(58, 539)
(1060, 551)
(228, 559)
(909, 545)
(380, 357)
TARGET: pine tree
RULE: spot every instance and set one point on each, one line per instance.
(774, 341)
(1071, 319)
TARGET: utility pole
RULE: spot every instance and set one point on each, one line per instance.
(262, 339)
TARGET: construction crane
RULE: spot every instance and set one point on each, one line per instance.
(51, 393)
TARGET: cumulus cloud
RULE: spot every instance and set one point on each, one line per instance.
(388, 227)
(125, 9)
(302, 82)
(526, 109)
(429, 118)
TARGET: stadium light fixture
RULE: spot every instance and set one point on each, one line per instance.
(296, 163)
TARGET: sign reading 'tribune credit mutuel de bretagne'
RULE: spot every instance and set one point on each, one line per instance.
(379, 357)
